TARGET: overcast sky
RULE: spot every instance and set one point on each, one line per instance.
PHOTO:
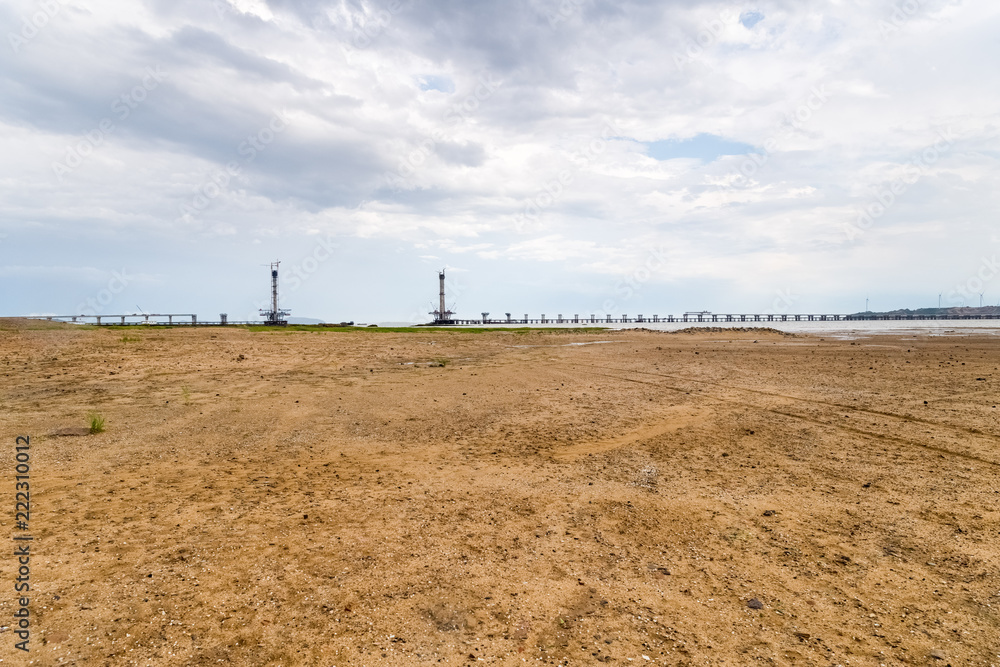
(558, 156)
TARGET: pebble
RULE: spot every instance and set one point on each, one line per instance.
(755, 604)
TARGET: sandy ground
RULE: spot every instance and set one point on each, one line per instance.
(372, 498)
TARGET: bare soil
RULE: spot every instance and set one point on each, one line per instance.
(374, 498)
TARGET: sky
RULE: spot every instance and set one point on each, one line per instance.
(555, 156)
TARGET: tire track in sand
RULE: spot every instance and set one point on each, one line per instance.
(791, 415)
(673, 418)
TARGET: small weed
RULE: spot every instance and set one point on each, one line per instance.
(186, 393)
(96, 422)
(736, 536)
(129, 339)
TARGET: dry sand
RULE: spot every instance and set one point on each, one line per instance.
(300, 498)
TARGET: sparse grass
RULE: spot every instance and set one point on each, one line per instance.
(186, 394)
(132, 327)
(96, 422)
(130, 339)
(456, 329)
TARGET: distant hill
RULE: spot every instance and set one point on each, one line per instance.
(304, 320)
(985, 310)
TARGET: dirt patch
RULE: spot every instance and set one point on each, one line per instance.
(69, 431)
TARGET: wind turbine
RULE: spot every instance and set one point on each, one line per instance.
(981, 299)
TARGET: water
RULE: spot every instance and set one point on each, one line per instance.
(835, 329)
(894, 327)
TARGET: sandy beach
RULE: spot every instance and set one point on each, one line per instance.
(311, 497)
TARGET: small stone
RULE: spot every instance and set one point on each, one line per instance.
(755, 604)
(769, 512)
(937, 655)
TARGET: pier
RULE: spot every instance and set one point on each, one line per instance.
(708, 318)
(130, 319)
(191, 319)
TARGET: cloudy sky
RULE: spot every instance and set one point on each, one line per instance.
(558, 156)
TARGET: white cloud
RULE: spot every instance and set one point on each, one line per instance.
(448, 120)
